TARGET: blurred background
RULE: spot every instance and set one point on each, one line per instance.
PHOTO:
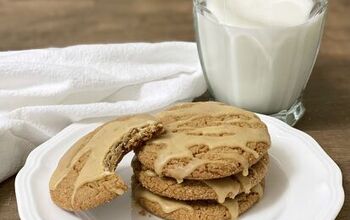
(28, 24)
(43, 23)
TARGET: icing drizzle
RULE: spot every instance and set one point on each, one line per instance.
(217, 129)
(223, 187)
(167, 205)
(233, 208)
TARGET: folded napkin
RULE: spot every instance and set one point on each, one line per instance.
(43, 91)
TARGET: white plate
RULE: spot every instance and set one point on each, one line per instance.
(303, 182)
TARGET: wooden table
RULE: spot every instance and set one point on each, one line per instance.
(43, 23)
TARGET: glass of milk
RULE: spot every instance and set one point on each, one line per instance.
(259, 54)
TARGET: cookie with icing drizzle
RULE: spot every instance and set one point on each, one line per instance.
(205, 140)
(196, 210)
(85, 176)
(216, 189)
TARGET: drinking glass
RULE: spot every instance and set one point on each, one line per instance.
(261, 69)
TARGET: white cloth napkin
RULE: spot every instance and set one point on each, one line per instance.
(43, 91)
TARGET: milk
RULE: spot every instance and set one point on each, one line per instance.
(258, 54)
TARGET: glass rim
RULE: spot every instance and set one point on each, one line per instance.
(198, 6)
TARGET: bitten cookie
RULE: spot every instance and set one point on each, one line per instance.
(85, 176)
(196, 210)
(205, 140)
(216, 189)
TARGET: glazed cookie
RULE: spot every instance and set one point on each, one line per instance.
(196, 210)
(216, 189)
(205, 140)
(85, 176)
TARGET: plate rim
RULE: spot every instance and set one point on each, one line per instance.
(25, 200)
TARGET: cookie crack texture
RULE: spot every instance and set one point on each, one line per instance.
(208, 120)
(136, 137)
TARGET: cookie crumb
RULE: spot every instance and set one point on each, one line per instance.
(142, 212)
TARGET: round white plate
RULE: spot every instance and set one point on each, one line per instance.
(303, 182)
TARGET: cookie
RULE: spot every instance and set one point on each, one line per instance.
(217, 189)
(196, 210)
(85, 176)
(205, 140)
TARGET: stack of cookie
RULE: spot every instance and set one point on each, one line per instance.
(209, 164)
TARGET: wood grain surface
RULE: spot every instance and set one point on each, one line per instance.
(26, 24)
